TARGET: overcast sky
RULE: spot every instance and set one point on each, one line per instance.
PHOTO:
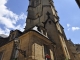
(13, 16)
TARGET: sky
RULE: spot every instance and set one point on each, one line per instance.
(13, 15)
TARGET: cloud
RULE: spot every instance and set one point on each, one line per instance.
(68, 29)
(5, 31)
(9, 19)
(68, 25)
(75, 28)
(20, 27)
(1, 31)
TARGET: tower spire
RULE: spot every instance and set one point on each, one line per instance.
(37, 10)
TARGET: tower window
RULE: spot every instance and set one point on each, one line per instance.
(49, 22)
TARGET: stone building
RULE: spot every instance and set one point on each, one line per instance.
(43, 35)
(73, 50)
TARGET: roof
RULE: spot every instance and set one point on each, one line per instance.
(35, 29)
(3, 41)
(6, 39)
(34, 32)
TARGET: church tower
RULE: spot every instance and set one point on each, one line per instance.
(42, 13)
(38, 10)
(42, 39)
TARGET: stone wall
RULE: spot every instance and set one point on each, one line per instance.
(33, 44)
(7, 51)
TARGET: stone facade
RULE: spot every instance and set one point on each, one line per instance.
(33, 43)
(45, 15)
(43, 35)
(74, 50)
(6, 51)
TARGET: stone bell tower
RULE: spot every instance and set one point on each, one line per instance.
(42, 13)
(35, 14)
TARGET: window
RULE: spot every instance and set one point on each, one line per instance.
(49, 22)
(1, 53)
(47, 52)
(46, 49)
